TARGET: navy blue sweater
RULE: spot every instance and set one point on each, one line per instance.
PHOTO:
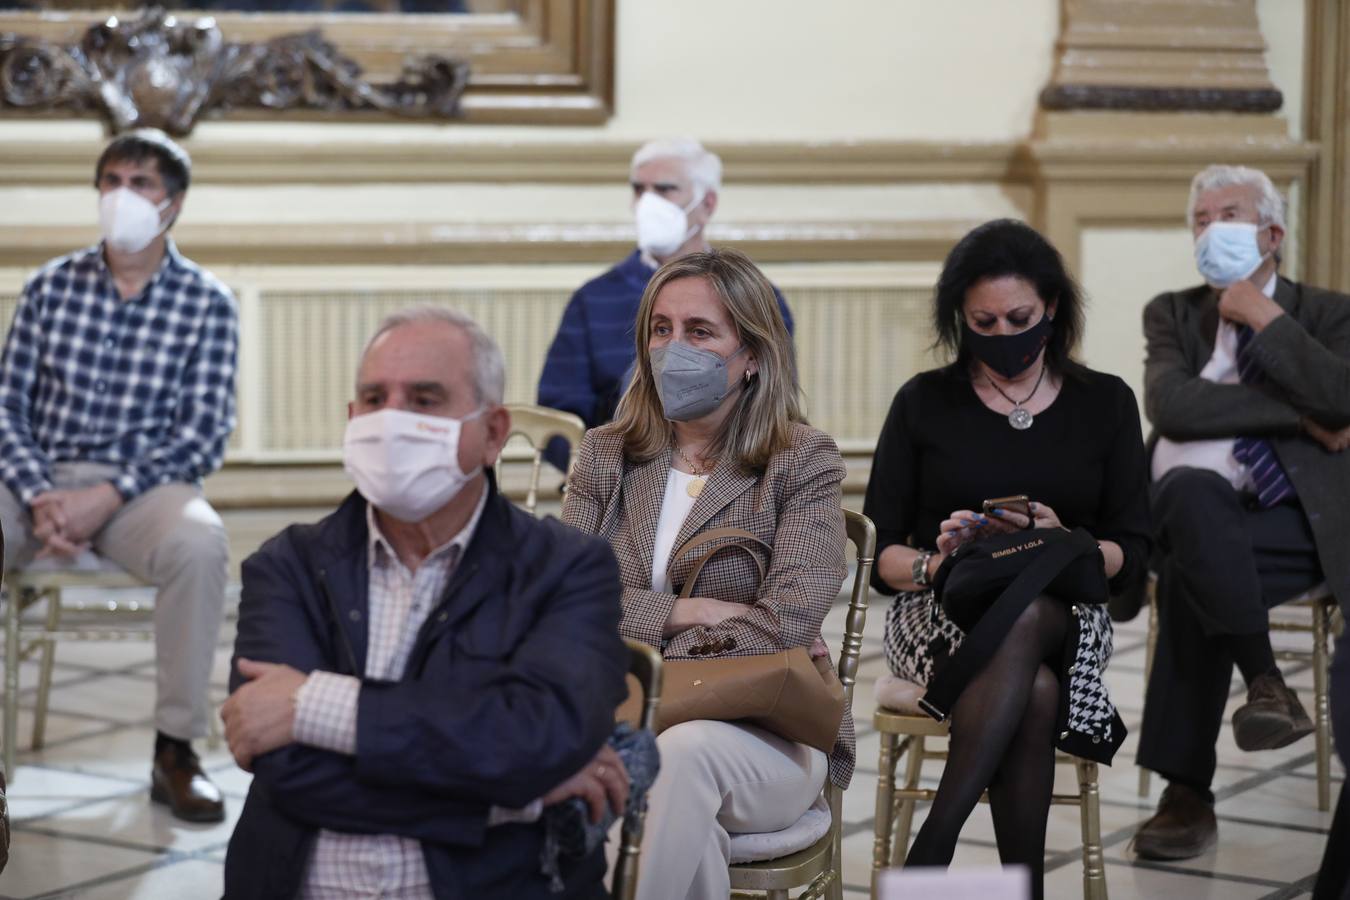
(587, 362)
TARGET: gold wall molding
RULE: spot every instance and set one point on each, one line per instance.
(430, 243)
(542, 62)
(1327, 104)
(158, 69)
(1098, 167)
(1161, 55)
(1147, 146)
(322, 161)
(1101, 169)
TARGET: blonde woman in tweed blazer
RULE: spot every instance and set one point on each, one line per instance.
(748, 461)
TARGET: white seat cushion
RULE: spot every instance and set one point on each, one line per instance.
(804, 832)
(899, 695)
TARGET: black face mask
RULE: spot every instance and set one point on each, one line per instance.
(1009, 354)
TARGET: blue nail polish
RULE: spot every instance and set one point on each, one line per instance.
(967, 522)
(997, 512)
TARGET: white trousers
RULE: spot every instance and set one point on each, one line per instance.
(718, 777)
(172, 538)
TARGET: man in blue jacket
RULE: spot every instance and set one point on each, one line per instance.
(675, 191)
(418, 674)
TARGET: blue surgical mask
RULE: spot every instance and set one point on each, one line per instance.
(1227, 252)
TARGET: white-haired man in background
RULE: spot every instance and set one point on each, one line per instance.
(1247, 386)
(675, 184)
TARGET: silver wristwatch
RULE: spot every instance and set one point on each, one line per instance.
(919, 570)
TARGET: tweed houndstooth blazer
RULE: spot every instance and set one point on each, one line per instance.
(794, 507)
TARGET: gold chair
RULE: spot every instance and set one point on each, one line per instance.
(644, 664)
(1324, 620)
(539, 425)
(819, 867)
(106, 619)
(895, 805)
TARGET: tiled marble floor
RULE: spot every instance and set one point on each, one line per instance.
(84, 826)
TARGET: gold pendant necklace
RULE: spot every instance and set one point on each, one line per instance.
(695, 485)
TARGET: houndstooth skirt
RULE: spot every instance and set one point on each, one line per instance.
(919, 637)
(918, 633)
(919, 640)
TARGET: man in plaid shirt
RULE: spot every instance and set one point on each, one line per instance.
(116, 399)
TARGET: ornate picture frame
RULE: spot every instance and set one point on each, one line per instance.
(543, 62)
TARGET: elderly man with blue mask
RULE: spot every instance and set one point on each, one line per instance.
(676, 187)
(1247, 386)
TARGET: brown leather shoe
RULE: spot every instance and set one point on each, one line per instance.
(1184, 826)
(177, 780)
(1272, 716)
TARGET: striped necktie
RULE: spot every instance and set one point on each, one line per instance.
(1269, 480)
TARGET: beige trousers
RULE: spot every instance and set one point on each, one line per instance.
(715, 778)
(172, 538)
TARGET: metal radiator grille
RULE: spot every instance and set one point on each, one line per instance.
(855, 346)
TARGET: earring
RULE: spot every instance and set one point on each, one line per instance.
(747, 376)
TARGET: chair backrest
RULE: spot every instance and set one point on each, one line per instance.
(644, 663)
(539, 425)
(863, 535)
(757, 876)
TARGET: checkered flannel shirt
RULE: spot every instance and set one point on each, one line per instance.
(146, 384)
(346, 866)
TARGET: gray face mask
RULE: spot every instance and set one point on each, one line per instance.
(690, 382)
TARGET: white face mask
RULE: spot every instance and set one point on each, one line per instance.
(663, 227)
(1227, 252)
(405, 464)
(129, 222)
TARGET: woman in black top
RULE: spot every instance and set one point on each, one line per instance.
(1013, 414)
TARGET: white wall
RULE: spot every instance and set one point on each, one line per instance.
(848, 69)
(748, 70)
(1282, 26)
(1124, 268)
(755, 70)
(745, 70)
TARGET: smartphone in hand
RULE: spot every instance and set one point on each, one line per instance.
(1018, 503)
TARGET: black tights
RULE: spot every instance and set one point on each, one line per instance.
(1002, 731)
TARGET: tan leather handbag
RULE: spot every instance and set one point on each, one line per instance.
(788, 693)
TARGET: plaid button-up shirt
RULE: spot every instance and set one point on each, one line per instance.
(146, 383)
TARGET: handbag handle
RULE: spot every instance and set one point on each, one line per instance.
(709, 536)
